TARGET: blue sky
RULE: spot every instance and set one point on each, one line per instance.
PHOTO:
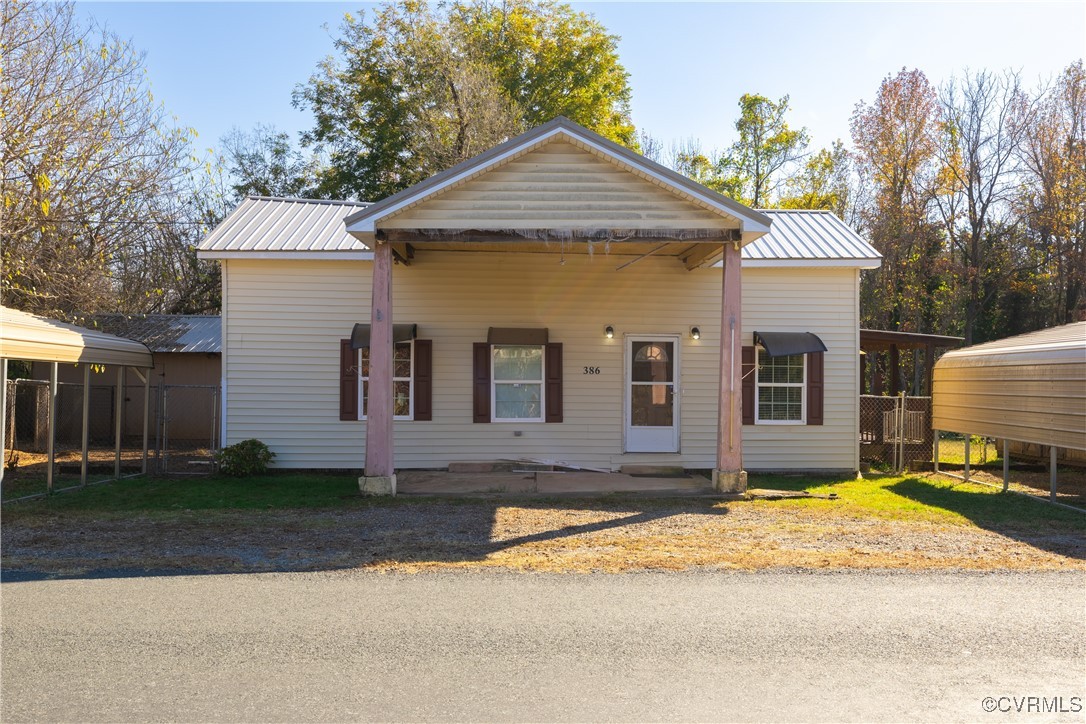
(220, 65)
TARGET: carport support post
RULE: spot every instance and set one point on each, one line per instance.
(1052, 480)
(86, 425)
(729, 476)
(51, 457)
(1006, 465)
(966, 471)
(380, 478)
(118, 406)
(146, 375)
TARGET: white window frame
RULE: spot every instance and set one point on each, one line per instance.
(494, 382)
(363, 379)
(758, 385)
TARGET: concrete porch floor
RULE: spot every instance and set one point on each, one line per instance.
(547, 483)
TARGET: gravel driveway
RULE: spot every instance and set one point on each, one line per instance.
(578, 536)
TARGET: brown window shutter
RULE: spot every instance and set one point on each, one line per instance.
(815, 378)
(554, 382)
(423, 386)
(348, 381)
(747, 387)
(481, 382)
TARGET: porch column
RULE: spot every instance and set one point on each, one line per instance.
(380, 477)
(729, 475)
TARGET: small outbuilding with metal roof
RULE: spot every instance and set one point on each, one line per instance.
(32, 338)
(1027, 389)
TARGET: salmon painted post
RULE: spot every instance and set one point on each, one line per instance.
(729, 475)
(380, 477)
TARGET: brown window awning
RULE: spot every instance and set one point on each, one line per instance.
(517, 335)
(360, 335)
(782, 344)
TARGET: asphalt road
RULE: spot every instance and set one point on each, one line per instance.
(709, 646)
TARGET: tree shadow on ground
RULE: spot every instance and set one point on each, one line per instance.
(376, 534)
(1049, 528)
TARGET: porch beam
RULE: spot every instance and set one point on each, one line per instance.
(402, 252)
(729, 475)
(617, 236)
(702, 255)
(380, 475)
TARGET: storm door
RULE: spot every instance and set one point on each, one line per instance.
(652, 405)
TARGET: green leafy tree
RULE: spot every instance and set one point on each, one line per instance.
(414, 90)
(755, 165)
(551, 60)
(822, 183)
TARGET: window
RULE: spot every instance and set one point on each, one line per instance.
(517, 382)
(781, 385)
(403, 368)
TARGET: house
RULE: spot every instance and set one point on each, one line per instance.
(557, 297)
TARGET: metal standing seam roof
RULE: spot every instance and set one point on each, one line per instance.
(185, 333)
(812, 236)
(30, 337)
(266, 224)
(263, 224)
(1066, 342)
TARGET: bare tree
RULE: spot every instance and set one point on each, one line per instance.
(88, 158)
(980, 160)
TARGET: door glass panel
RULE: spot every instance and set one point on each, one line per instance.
(652, 405)
(653, 362)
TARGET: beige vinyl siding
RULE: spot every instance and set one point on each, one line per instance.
(557, 186)
(286, 320)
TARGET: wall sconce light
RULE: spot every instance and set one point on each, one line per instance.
(695, 333)
(609, 331)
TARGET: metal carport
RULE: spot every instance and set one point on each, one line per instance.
(1030, 389)
(39, 339)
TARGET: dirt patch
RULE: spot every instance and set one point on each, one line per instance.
(579, 536)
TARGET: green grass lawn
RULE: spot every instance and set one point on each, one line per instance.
(922, 498)
(888, 497)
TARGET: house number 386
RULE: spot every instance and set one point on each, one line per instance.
(591, 370)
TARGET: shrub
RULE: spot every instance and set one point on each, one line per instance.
(248, 457)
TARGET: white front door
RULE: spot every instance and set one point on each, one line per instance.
(652, 405)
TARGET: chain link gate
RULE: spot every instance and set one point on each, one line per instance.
(187, 429)
(895, 432)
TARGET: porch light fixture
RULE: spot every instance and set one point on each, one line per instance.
(695, 333)
(609, 331)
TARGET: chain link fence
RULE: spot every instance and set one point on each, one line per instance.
(182, 426)
(895, 432)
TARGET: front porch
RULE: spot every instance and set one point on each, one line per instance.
(528, 480)
(560, 190)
